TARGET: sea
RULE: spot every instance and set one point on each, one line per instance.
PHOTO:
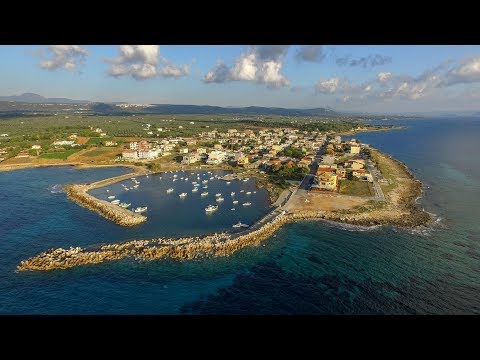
(309, 267)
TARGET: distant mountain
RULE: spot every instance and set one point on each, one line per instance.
(39, 99)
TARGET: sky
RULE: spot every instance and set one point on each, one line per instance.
(362, 78)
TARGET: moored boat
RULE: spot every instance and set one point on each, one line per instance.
(140, 209)
(247, 204)
(182, 195)
(211, 208)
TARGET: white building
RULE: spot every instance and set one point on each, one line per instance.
(216, 157)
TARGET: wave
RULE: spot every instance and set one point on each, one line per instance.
(55, 189)
(350, 227)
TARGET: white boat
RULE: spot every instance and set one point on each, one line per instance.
(239, 224)
(242, 190)
(197, 185)
(232, 193)
(248, 192)
(212, 178)
(217, 195)
(181, 178)
(211, 208)
(247, 204)
(186, 179)
(140, 209)
(204, 193)
(135, 186)
(175, 176)
(233, 209)
(194, 182)
(182, 195)
(115, 202)
(205, 181)
(174, 179)
(235, 201)
(160, 177)
(205, 187)
(126, 189)
(108, 190)
(170, 190)
(254, 192)
(124, 205)
(111, 197)
(194, 189)
(245, 179)
(220, 199)
(191, 173)
(228, 182)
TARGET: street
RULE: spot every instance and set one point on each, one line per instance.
(308, 179)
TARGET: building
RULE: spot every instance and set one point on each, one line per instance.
(147, 154)
(326, 181)
(4, 135)
(64, 143)
(216, 157)
(184, 151)
(357, 164)
(190, 158)
(129, 154)
(110, 143)
(242, 161)
(133, 145)
(23, 155)
(218, 146)
(36, 147)
(355, 149)
(328, 159)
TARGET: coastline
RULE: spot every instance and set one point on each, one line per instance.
(399, 210)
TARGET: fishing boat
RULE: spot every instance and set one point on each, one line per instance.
(140, 209)
(170, 190)
(235, 201)
(217, 195)
(239, 224)
(219, 199)
(211, 208)
(111, 197)
(247, 204)
(124, 205)
(195, 189)
(182, 195)
(205, 193)
(232, 193)
(248, 192)
(115, 202)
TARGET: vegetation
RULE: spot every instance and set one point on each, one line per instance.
(97, 140)
(356, 188)
(295, 173)
(58, 155)
(291, 152)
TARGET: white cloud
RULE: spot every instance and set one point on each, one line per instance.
(66, 57)
(144, 62)
(384, 76)
(330, 86)
(467, 72)
(261, 63)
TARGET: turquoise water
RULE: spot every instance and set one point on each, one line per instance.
(311, 267)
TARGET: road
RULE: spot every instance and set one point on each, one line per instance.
(308, 179)
(378, 190)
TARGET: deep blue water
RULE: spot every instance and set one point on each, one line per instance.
(310, 267)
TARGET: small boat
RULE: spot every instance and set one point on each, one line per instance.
(217, 195)
(140, 209)
(197, 185)
(248, 192)
(135, 186)
(205, 187)
(247, 204)
(191, 173)
(182, 195)
(115, 202)
(194, 182)
(181, 178)
(174, 179)
(205, 181)
(220, 199)
(170, 190)
(233, 209)
(242, 190)
(239, 224)
(126, 189)
(194, 189)
(212, 178)
(232, 193)
(235, 201)
(228, 182)
(205, 193)
(108, 190)
(211, 208)
(254, 192)
(175, 176)
(246, 179)
(124, 205)
(147, 176)
(111, 197)
(186, 179)
(160, 177)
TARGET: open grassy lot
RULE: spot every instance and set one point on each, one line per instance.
(58, 155)
(356, 188)
(97, 140)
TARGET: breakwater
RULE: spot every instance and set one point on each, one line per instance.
(115, 213)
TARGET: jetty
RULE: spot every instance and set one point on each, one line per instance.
(121, 216)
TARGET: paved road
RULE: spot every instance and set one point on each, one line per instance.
(308, 179)
(378, 190)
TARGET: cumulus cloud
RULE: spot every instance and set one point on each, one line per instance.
(310, 53)
(260, 63)
(331, 86)
(67, 57)
(366, 62)
(467, 71)
(144, 62)
(384, 76)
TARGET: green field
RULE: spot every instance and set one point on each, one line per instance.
(97, 152)
(356, 188)
(58, 155)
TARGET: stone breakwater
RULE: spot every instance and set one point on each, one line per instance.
(115, 213)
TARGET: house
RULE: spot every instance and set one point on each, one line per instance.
(359, 173)
(328, 159)
(356, 164)
(110, 143)
(98, 130)
(4, 135)
(184, 151)
(190, 159)
(242, 160)
(341, 172)
(289, 164)
(64, 143)
(355, 149)
(23, 155)
(148, 154)
(218, 146)
(129, 154)
(325, 168)
(326, 181)
(103, 134)
(3, 151)
(202, 150)
(133, 145)
(36, 147)
(305, 162)
(216, 157)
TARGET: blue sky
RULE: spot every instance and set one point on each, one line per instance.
(355, 78)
